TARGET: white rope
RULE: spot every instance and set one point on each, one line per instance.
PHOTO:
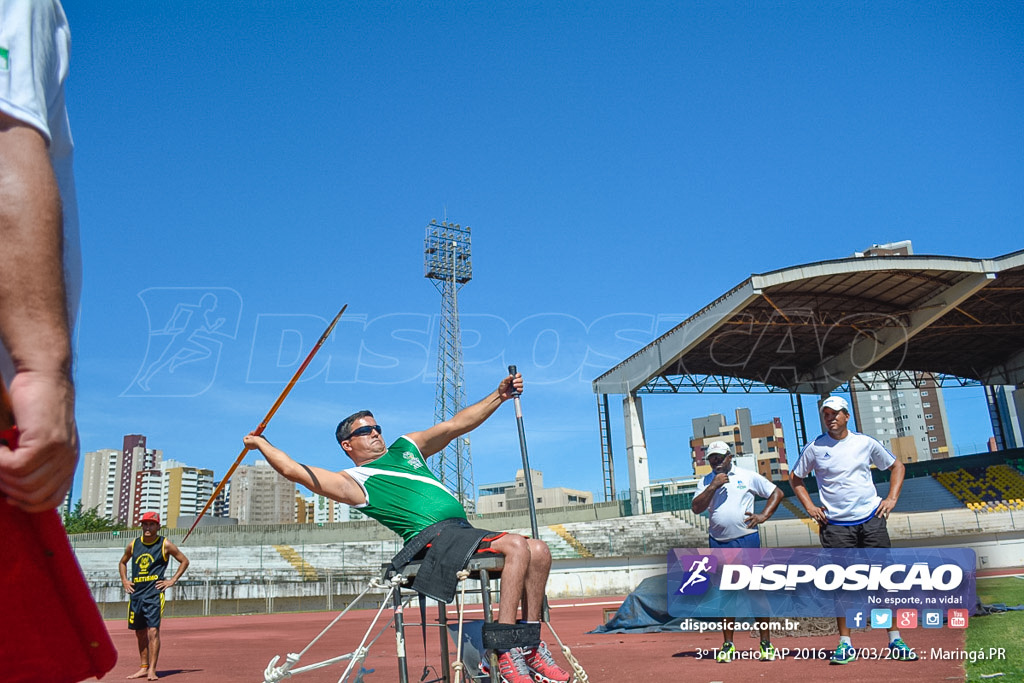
(274, 673)
(458, 666)
(581, 675)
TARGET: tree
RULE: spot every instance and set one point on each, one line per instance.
(87, 521)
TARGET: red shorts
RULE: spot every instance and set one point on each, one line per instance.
(485, 543)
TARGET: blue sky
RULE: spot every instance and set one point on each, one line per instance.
(621, 165)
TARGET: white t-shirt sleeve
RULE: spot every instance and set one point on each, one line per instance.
(880, 457)
(761, 485)
(34, 47)
(805, 464)
(702, 484)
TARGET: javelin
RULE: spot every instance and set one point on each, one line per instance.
(270, 414)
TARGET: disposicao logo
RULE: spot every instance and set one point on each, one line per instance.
(828, 582)
(855, 577)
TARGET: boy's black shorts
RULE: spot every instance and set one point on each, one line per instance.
(873, 533)
(145, 612)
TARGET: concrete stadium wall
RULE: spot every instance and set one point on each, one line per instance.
(364, 530)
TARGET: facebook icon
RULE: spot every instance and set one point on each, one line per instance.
(855, 618)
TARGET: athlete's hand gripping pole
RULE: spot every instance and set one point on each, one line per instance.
(266, 419)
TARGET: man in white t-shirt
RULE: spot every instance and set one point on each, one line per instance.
(728, 493)
(851, 514)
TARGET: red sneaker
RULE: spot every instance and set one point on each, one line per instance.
(512, 667)
(542, 666)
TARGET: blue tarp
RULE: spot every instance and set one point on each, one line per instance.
(645, 610)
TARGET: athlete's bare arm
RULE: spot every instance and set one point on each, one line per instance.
(122, 568)
(175, 552)
(337, 486)
(434, 440)
(801, 493)
(896, 475)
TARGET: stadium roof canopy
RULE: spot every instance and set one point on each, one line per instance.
(812, 328)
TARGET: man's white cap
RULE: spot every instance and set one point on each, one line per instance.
(836, 403)
(718, 448)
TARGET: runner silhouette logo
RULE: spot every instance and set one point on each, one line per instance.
(697, 576)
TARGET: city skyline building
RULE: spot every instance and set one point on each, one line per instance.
(758, 447)
(148, 495)
(184, 492)
(219, 507)
(170, 487)
(99, 481)
(323, 510)
(510, 496)
(135, 458)
(259, 495)
(907, 416)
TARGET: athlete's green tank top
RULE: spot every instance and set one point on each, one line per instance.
(402, 493)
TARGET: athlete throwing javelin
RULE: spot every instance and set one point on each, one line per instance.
(393, 485)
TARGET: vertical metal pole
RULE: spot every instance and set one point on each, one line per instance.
(403, 667)
(799, 423)
(544, 611)
(607, 461)
(995, 417)
(442, 620)
(485, 602)
(526, 460)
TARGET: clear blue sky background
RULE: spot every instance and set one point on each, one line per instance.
(621, 164)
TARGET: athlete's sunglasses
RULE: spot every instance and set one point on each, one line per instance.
(364, 431)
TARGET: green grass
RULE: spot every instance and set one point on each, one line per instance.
(1004, 630)
(1005, 589)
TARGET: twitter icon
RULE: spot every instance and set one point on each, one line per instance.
(881, 618)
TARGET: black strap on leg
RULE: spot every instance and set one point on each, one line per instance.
(507, 636)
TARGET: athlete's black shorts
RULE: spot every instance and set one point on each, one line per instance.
(145, 612)
(871, 534)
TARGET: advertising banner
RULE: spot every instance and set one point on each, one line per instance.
(856, 583)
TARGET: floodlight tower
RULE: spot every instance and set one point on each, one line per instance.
(447, 261)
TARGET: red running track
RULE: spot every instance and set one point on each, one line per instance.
(237, 649)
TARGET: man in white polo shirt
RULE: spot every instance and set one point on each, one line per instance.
(851, 514)
(728, 492)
